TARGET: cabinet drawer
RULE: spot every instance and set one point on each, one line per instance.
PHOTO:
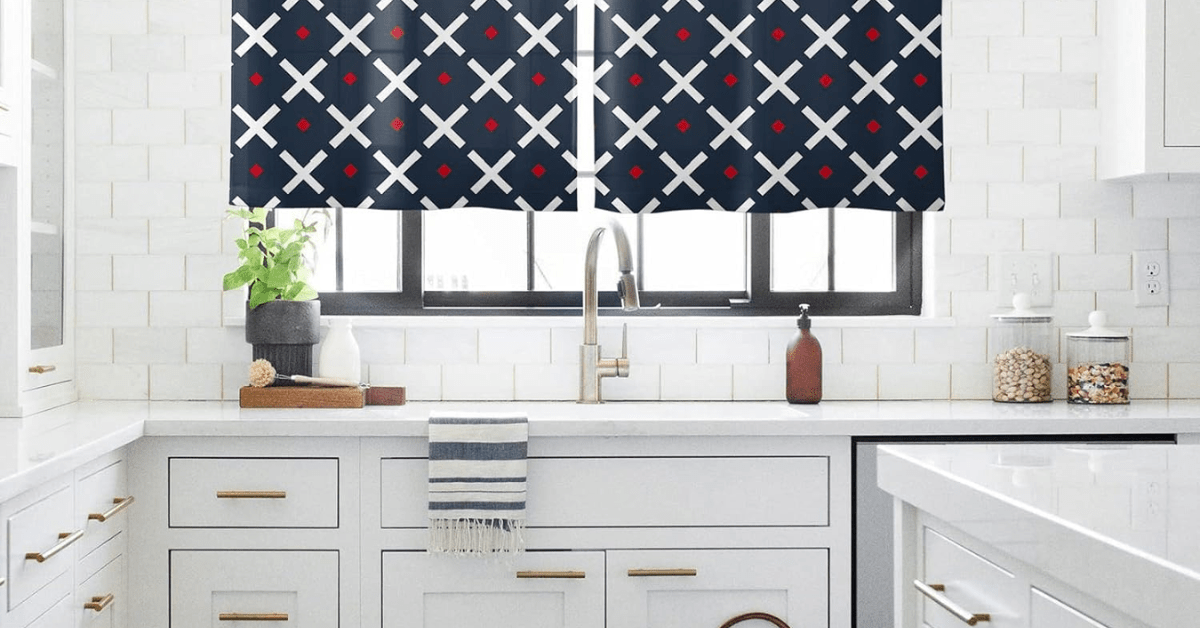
(253, 492)
(1045, 611)
(690, 588)
(101, 500)
(57, 616)
(36, 530)
(284, 588)
(642, 492)
(436, 591)
(101, 599)
(971, 582)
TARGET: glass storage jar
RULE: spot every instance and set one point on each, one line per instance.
(1098, 364)
(1020, 346)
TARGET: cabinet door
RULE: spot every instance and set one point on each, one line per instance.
(655, 589)
(1182, 78)
(1047, 612)
(297, 589)
(59, 616)
(101, 600)
(433, 591)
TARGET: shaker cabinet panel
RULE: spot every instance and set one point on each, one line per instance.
(1047, 612)
(690, 588)
(971, 582)
(536, 590)
(1182, 82)
(252, 588)
(254, 492)
(44, 531)
(100, 503)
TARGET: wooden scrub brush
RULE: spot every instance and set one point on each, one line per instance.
(262, 374)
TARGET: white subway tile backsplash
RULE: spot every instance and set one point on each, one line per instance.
(1185, 308)
(1184, 233)
(190, 162)
(1184, 378)
(966, 200)
(194, 308)
(1060, 18)
(1184, 280)
(1024, 54)
(156, 345)
(147, 53)
(111, 309)
(956, 345)
(971, 381)
(970, 90)
(972, 307)
(93, 53)
(1122, 235)
(206, 53)
(829, 337)
(93, 200)
(761, 382)
(914, 381)
(732, 346)
(1165, 344)
(185, 382)
(1080, 127)
(697, 382)
(210, 199)
(234, 375)
(972, 19)
(868, 345)
(965, 127)
(1123, 312)
(379, 345)
(186, 16)
(964, 54)
(849, 382)
(1023, 200)
(93, 127)
(147, 272)
(93, 345)
(643, 384)
(525, 345)
(1094, 272)
(147, 199)
(548, 382)
(184, 89)
(1062, 235)
(113, 381)
(207, 126)
(1148, 380)
(477, 382)
(433, 345)
(657, 345)
(420, 382)
(1060, 163)
(206, 272)
(961, 272)
(93, 272)
(976, 236)
(1023, 127)
(111, 163)
(1081, 54)
(1076, 90)
(565, 342)
(1091, 199)
(147, 126)
(110, 17)
(218, 345)
(115, 90)
(185, 235)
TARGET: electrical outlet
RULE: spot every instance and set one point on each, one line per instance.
(1030, 272)
(1151, 279)
(1149, 502)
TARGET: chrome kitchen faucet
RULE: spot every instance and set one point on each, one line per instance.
(593, 367)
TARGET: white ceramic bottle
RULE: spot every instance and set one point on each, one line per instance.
(340, 357)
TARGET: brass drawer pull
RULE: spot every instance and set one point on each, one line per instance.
(42, 368)
(3, 581)
(99, 602)
(653, 573)
(121, 504)
(935, 593)
(575, 575)
(252, 617)
(65, 541)
(251, 494)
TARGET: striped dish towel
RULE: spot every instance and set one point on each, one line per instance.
(477, 483)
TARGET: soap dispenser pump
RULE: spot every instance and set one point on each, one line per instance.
(804, 363)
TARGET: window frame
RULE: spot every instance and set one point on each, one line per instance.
(757, 300)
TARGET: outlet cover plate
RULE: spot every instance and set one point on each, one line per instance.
(1031, 272)
(1151, 279)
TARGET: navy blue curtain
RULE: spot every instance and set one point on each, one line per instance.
(749, 105)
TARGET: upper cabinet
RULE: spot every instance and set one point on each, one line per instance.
(37, 360)
(1149, 87)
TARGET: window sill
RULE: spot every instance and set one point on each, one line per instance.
(615, 318)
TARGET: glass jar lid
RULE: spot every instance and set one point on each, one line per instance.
(1021, 312)
(1098, 330)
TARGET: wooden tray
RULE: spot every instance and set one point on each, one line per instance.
(302, 397)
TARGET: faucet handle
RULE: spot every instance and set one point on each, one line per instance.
(623, 361)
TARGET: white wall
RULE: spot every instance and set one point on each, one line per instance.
(1021, 129)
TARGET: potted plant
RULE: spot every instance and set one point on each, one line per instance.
(283, 314)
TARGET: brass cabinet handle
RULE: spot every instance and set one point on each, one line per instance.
(3, 581)
(653, 573)
(65, 541)
(252, 617)
(251, 494)
(935, 593)
(121, 504)
(99, 602)
(42, 368)
(575, 575)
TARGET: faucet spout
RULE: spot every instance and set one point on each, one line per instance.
(593, 367)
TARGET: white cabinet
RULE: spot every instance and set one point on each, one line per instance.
(536, 590)
(1148, 87)
(1047, 612)
(36, 219)
(253, 492)
(251, 588)
(688, 588)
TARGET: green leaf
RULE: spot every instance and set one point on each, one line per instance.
(238, 278)
(279, 277)
(260, 294)
(307, 293)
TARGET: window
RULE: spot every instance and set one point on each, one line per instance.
(476, 261)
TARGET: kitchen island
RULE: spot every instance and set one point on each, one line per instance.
(1045, 535)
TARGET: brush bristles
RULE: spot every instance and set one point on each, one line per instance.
(261, 373)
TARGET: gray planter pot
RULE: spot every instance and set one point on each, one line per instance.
(284, 333)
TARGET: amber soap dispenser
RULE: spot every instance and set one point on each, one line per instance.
(804, 363)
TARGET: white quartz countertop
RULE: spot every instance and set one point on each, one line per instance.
(37, 448)
(1098, 517)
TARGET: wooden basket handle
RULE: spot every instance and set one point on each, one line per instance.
(763, 616)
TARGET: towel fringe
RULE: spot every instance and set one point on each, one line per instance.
(476, 537)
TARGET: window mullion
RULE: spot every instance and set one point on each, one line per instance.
(530, 235)
(831, 254)
(760, 257)
(339, 265)
(413, 265)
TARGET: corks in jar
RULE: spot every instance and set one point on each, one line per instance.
(1106, 382)
(1021, 375)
